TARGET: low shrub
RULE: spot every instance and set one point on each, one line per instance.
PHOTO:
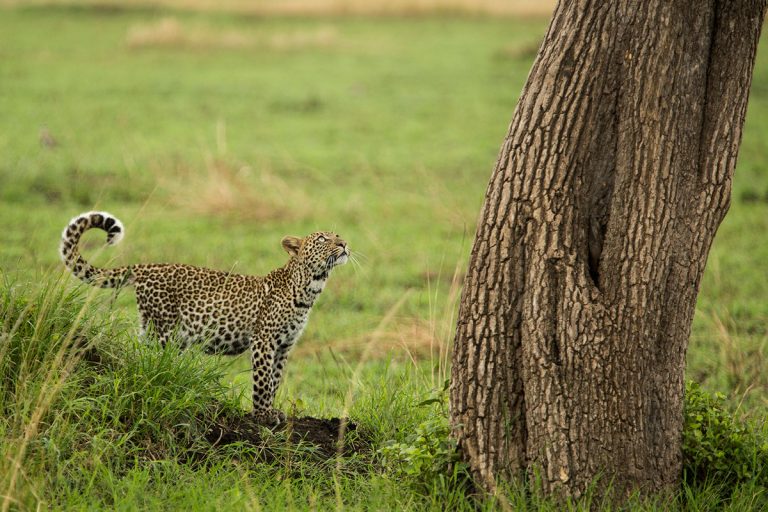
(718, 447)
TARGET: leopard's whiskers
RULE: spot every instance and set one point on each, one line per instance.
(353, 257)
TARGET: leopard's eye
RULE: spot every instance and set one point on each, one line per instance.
(321, 239)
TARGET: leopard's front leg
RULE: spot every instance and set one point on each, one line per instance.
(281, 355)
(262, 360)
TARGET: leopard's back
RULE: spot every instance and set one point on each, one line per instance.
(199, 305)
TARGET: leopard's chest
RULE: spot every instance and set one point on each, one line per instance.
(291, 330)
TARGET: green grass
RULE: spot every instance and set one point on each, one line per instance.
(211, 136)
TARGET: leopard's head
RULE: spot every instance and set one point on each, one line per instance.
(320, 251)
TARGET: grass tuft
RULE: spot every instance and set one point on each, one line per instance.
(170, 33)
(234, 192)
(79, 393)
(165, 32)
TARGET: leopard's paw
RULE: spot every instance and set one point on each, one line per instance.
(269, 417)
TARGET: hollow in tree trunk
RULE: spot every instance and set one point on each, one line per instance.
(610, 185)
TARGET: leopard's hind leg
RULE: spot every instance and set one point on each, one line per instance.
(161, 327)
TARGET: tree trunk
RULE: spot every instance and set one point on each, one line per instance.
(610, 185)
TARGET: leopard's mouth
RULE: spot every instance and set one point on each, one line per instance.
(339, 258)
(342, 259)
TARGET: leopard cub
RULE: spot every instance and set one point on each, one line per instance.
(226, 312)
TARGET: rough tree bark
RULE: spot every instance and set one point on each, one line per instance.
(610, 185)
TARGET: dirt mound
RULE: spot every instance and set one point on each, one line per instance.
(320, 439)
(323, 438)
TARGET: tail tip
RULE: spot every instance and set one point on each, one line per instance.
(97, 219)
(109, 223)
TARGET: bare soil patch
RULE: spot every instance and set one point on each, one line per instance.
(324, 438)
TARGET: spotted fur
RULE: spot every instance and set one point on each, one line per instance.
(227, 313)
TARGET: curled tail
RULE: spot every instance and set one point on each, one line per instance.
(70, 255)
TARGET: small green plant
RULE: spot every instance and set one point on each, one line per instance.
(427, 454)
(716, 446)
(424, 454)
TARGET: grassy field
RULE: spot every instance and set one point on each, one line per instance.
(212, 135)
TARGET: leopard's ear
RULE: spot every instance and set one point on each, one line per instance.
(291, 244)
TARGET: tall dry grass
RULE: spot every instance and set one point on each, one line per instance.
(744, 359)
(410, 339)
